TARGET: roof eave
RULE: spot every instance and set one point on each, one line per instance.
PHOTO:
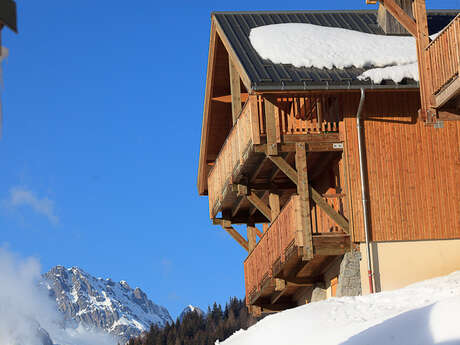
(300, 88)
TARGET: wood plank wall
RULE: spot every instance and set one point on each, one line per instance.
(413, 170)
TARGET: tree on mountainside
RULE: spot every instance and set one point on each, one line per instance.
(198, 329)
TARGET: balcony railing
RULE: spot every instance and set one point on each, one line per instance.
(444, 56)
(284, 234)
(231, 155)
(302, 115)
(293, 116)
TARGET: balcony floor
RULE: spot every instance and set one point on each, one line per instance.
(295, 273)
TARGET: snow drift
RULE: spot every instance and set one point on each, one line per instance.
(425, 313)
(308, 45)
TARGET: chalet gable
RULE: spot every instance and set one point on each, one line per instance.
(235, 70)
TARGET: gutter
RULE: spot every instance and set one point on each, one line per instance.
(325, 87)
(363, 187)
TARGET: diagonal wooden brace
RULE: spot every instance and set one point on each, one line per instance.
(400, 15)
(226, 225)
(260, 205)
(290, 172)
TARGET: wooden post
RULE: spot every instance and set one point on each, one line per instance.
(254, 108)
(304, 199)
(235, 90)
(274, 201)
(422, 40)
(270, 123)
(252, 236)
(319, 111)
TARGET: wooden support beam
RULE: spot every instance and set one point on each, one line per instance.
(236, 208)
(336, 217)
(270, 308)
(270, 123)
(260, 205)
(252, 237)
(257, 171)
(278, 187)
(274, 201)
(424, 66)
(237, 237)
(304, 199)
(254, 209)
(280, 284)
(277, 295)
(235, 90)
(314, 195)
(243, 219)
(241, 190)
(295, 281)
(285, 167)
(317, 146)
(228, 98)
(277, 170)
(280, 290)
(226, 225)
(400, 15)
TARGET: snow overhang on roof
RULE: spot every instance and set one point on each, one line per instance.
(265, 75)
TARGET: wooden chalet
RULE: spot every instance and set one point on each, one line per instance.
(8, 19)
(281, 153)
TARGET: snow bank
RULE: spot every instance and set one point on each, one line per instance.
(308, 45)
(425, 313)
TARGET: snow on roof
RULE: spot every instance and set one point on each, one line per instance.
(308, 45)
(425, 313)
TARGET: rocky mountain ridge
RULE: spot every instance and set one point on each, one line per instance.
(102, 303)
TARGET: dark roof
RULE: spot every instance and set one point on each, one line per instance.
(8, 14)
(265, 75)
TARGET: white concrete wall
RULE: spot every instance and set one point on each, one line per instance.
(398, 264)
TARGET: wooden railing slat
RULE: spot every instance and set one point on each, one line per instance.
(444, 56)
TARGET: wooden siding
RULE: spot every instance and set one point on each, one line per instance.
(413, 170)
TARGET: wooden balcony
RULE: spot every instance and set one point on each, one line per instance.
(264, 124)
(276, 268)
(443, 54)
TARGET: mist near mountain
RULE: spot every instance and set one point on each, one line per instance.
(28, 316)
(113, 307)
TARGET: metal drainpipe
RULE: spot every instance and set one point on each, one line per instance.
(363, 188)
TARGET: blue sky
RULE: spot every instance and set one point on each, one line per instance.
(102, 119)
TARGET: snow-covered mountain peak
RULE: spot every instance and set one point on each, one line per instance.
(102, 303)
(191, 309)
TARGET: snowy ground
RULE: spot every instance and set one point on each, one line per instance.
(307, 45)
(425, 313)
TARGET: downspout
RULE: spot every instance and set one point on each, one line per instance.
(363, 187)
